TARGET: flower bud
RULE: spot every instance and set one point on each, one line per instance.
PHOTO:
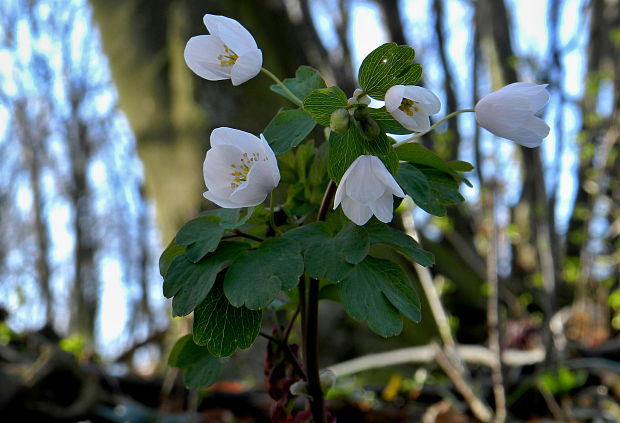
(361, 114)
(339, 121)
(370, 129)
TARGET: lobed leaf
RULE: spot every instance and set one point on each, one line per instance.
(223, 327)
(386, 66)
(306, 79)
(333, 258)
(375, 292)
(190, 282)
(321, 103)
(287, 129)
(381, 233)
(257, 276)
(415, 184)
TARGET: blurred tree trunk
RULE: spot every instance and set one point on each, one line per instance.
(169, 108)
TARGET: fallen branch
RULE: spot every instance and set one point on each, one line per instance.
(472, 354)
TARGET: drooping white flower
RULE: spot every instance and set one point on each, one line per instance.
(240, 169)
(229, 52)
(366, 188)
(411, 106)
(510, 113)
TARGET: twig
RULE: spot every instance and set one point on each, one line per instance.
(290, 325)
(289, 354)
(480, 410)
(239, 234)
(472, 354)
(493, 314)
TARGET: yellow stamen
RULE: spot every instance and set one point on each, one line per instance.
(240, 171)
(229, 57)
(407, 105)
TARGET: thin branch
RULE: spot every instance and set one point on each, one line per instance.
(480, 410)
(239, 234)
(289, 354)
(472, 354)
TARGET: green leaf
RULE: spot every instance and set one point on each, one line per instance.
(364, 301)
(256, 277)
(231, 218)
(190, 283)
(309, 235)
(169, 254)
(287, 129)
(343, 150)
(202, 368)
(381, 233)
(222, 327)
(376, 291)
(386, 66)
(205, 372)
(334, 258)
(306, 79)
(418, 154)
(386, 122)
(173, 358)
(321, 103)
(445, 188)
(395, 285)
(460, 166)
(415, 184)
(379, 146)
(391, 162)
(201, 235)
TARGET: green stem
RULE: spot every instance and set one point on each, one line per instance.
(435, 125)
(288, 92)
(272, 218)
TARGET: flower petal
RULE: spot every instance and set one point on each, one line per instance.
(217, 167)
(358, 213)
(220, 201)
(244, 141)
(424, 96)
(201, 54)
(362, 185)
(419, 122)
(394, 97)
(533, 134)
(231, 32)
(382, 208)
(381, 172)
(246, 67)
(271, 160)
(254, 191)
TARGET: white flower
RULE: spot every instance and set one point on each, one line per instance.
(411, 106)
(510, 113)
(366, 188)
(240, 169)
(361, 100)
(230, 52)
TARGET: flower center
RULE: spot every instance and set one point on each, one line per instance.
(240, 171)
(409, 106)
(228, 58)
